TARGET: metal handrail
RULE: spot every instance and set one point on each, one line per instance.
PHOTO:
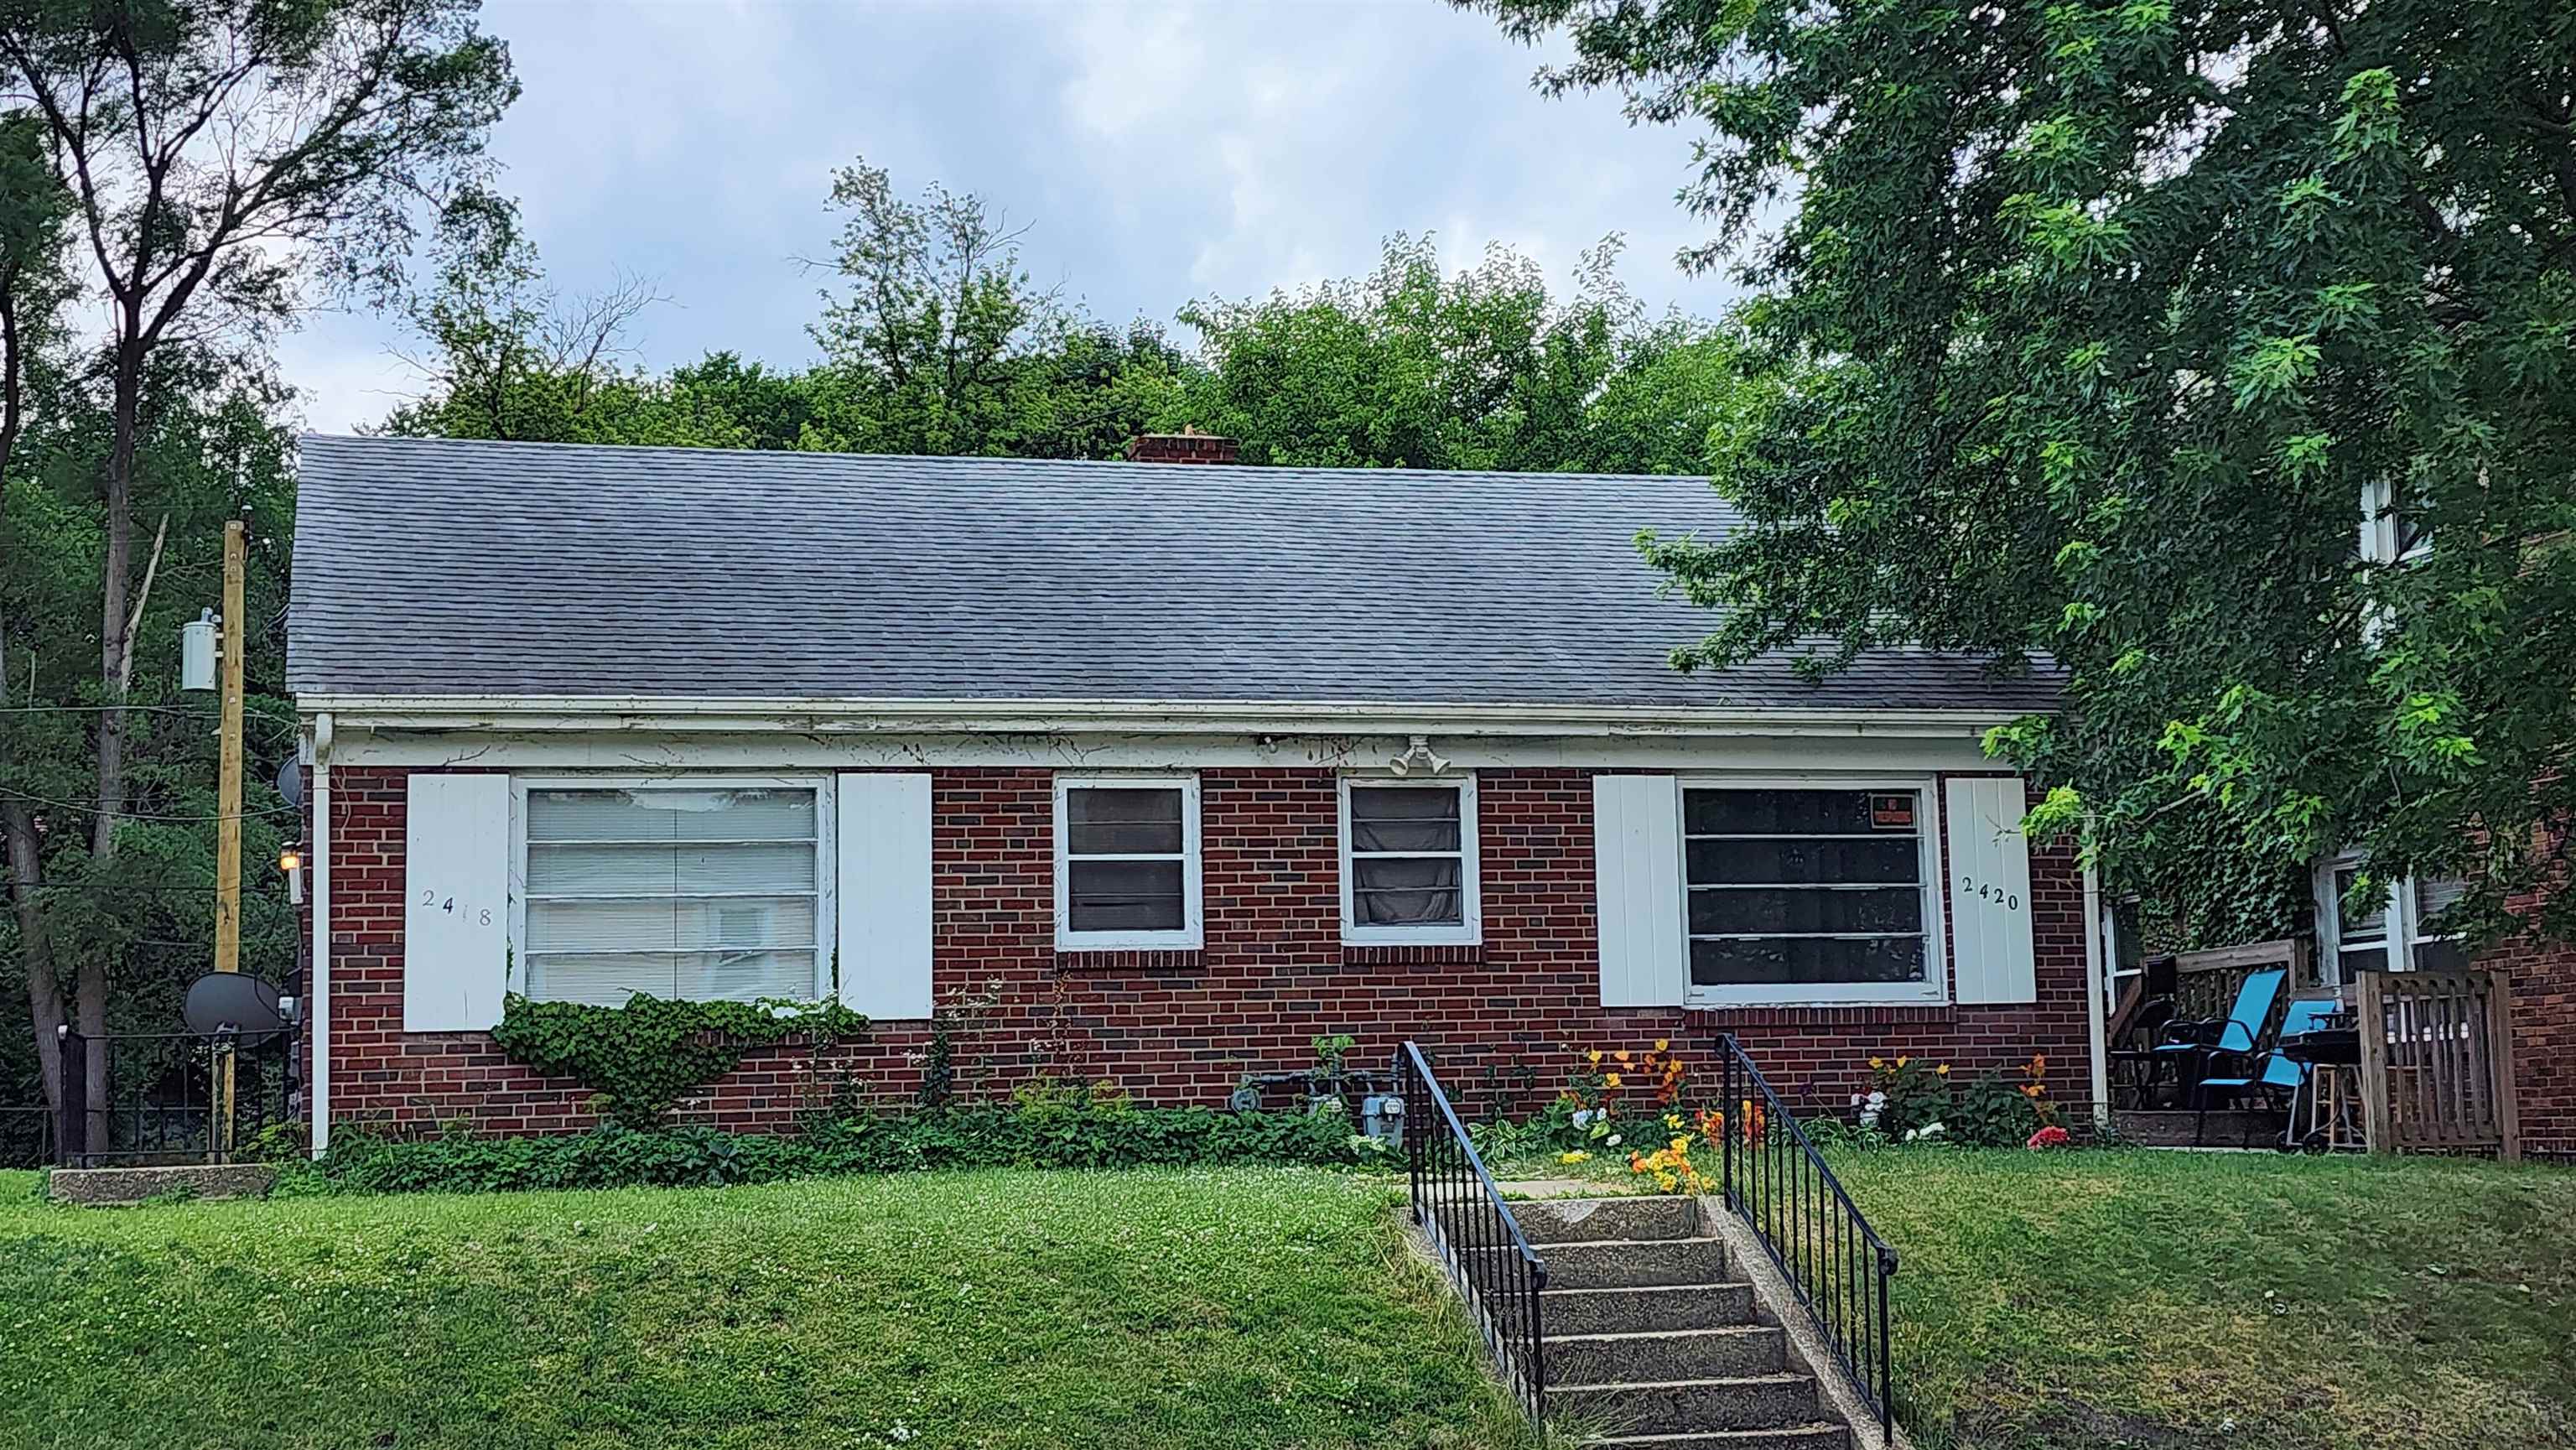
(1474, 1232)
(1822, 1244)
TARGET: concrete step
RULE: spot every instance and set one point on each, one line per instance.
(1818, 1436)
(1634, 1263)
(1640, 1311)
(1559, 1221)
(2226, 1128)
(1661, 1357)
(1734, 1402)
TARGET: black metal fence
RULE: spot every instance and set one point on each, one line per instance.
(1463, 1214)
(1833, 1260)
(155, 1097)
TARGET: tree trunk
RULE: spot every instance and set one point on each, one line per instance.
(25, 858)
(114, 644)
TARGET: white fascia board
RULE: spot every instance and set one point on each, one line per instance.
(807, 716)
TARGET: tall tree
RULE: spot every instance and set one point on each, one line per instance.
(2133, 318)
(218, 153)
(1414, 366)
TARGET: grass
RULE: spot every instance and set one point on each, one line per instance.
(986, 1309)
(2176, 1301)
(2186, 1300)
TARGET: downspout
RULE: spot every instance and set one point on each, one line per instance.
(320, 991)
(2096, 1026)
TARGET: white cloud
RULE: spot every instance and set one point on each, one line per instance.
(1159, 152)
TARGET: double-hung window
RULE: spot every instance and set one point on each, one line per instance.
(1127, 862)
(1797, 894)
(701, 889)
(1409, 863)
(2392, 930)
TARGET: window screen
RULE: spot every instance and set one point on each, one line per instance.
(1803, 887)
(1408, 856)
(1126, 862)
(692, 892)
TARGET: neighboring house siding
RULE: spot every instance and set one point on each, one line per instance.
(1502, 1018)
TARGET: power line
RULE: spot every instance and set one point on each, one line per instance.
(37, 800)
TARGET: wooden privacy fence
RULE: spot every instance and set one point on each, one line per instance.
(2438, 1072)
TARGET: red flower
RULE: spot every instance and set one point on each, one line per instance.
(2049, 1137)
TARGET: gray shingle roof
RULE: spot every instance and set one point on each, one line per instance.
(427, 567)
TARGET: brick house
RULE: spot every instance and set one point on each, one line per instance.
(1185, 765)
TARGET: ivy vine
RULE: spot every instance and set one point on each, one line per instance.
(639, 1058)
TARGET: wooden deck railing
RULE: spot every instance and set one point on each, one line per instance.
(2439, 1073)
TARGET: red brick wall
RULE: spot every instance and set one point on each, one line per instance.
(2544, 1036)
(1502, 1020)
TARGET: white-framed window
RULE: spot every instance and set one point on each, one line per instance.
(2393, 530)
(705, 888)
(1126, 862)
(1797, 892)
(1409, 871)
(2392, 932)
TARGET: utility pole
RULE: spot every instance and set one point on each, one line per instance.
(228, 805)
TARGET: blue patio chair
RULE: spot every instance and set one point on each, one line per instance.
(2271, 1077)
(2189, 1046)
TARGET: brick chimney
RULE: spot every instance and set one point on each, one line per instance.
(1187, 446)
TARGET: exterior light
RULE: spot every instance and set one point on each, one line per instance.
(290, 859)
(197, 652)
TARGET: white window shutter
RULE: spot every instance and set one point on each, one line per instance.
(1989, 891)
(1637, 885)
(883, 895)
(456, 901)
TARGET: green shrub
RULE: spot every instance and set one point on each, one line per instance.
(640, 1057)
(1046, 1129)
(1993, 1113)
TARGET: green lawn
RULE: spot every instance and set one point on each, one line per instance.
(2245, 1300)
(1135, 1309)
(2176, 1301)
(2092, 1300)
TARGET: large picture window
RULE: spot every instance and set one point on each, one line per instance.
(1409, 863)
(701, 890)
(1127, 862)
(1805, 895)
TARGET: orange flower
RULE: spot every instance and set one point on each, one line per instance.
(1623, 1058)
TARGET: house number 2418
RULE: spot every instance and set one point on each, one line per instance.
(429, 901)
(1989, 892)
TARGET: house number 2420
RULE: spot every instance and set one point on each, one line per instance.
(1989, 892)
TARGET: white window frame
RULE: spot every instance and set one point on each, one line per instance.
(2403, 924)
(1194, 925)
(1933, 990)
(826, 874)
(1470, 929)
(2382, 528)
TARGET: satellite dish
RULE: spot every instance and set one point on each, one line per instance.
(290, 782)
(237, 1005)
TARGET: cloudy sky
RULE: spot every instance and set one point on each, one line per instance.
(1157, 151)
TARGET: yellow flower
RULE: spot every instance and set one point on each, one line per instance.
(1681, 1145)
(1943, 1069)
(1623, 1058)
(1577, 1156)
(1900, 1062)
(1611, 1081)
(1878, 1062)
(1663, 1044)
(1594, 1057)
(1672, 1120)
